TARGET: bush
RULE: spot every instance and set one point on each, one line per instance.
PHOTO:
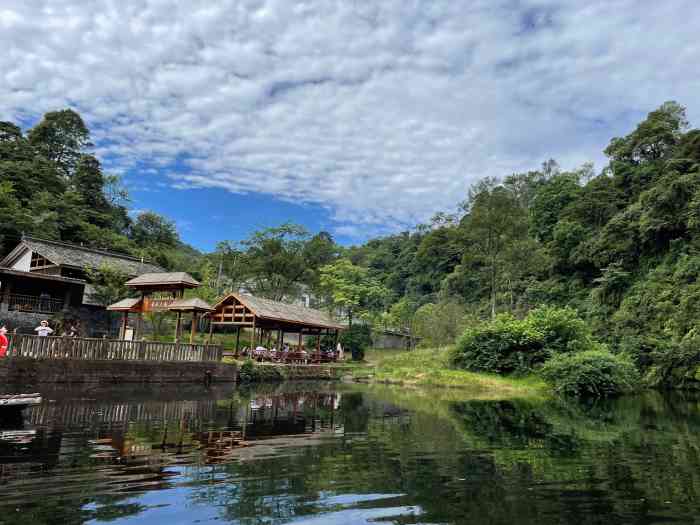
(503, 345)
(593, 373)
(507, 345)
(252, 373)
(562, 329)
(356, 340)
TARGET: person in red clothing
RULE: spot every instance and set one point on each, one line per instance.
(4, 343)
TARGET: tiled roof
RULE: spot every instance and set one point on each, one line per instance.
(125, 304)
(277, 311)
(71, 255)
(163, 278)
(190, 305)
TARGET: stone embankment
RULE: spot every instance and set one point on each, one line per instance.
(33, 371)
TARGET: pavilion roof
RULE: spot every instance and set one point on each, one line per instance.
(284, 312)
(194, 304)
(163, 279)
(125, 305)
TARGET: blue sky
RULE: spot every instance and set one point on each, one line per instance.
(358, 117)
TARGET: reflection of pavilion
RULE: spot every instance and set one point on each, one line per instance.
(151, 435)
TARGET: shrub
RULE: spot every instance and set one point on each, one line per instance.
(507, 345)
(252, 373)
(503, 345)
(678, 364)
(356, 339)
(593, 373)
(562, 329)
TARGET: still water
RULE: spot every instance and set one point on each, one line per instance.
(322, 453)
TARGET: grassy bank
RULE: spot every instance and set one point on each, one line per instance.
(429, 368)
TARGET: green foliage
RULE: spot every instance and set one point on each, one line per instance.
(356, 340)
(438, 324)
(594, 373)
(250, 372)
(502, 345)
(53, 188)
(151, 230)
(506, 345)
(351, 288)
(108, 284)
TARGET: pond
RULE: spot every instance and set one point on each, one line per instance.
(326, 453)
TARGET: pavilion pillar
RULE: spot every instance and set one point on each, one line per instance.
(177, 327)
(125, 323)
(193, 330)
(301, 337)
(238, 338)
(318, 345)
(280, 339)
(252, 343)
(211, 329)
(139, 327)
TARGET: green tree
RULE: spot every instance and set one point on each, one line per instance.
(14, 220)
(274, 262)
(494, 220)
(108, 284)
(61, 137)
(151, 230)
(352, 289)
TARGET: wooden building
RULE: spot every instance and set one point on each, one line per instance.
(161, 292)
(69, 260)
(269, 321)
(40, 258)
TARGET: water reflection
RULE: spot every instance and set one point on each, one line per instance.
(319, 453)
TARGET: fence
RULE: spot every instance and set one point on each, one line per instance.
(79, 348)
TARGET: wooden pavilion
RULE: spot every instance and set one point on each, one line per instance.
(270, 320)
(161, 292)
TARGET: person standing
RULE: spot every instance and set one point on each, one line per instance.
(43, 329)
(4, 343)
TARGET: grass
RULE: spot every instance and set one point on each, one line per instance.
(430, 368)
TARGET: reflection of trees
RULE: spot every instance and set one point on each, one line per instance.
(458, 461)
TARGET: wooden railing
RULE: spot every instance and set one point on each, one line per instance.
(34, 303)
(37, 347)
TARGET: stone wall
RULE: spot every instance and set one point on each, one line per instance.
(33, 371)
(23, 371)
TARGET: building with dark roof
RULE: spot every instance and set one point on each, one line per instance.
(71, 260)
(41, 279)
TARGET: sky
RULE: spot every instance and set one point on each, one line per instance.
(356, 117)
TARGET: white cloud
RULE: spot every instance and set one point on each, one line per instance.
(382, 111)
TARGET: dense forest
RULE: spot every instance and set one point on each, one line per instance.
(620, 246)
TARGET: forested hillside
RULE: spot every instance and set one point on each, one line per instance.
(620, 246)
